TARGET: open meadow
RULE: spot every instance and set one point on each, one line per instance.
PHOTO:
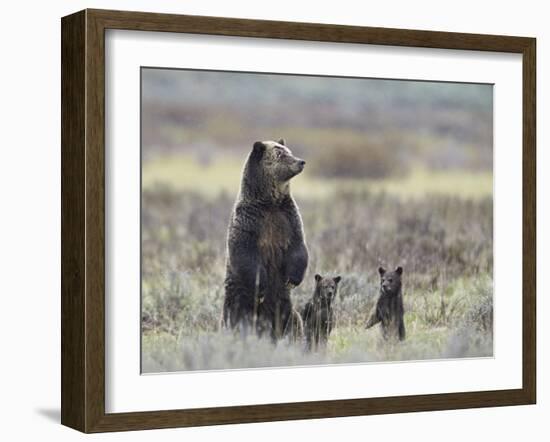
(406, 180)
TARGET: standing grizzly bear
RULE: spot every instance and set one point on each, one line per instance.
(266, 250)
(389, 307)
(318, 314)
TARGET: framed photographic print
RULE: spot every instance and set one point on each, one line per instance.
(272, 220)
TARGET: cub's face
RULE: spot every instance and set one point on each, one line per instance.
(326, 288)
(278, 161)
(390, 282)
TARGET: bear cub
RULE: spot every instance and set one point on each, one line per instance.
(389, 307)
(318, 315)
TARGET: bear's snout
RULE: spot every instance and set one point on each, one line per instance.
(300, 163)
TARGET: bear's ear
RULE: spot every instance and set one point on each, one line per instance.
(337, 279)
(399, 270)
(381, 270)
(282, 142)
(259, 147)
(318, 277)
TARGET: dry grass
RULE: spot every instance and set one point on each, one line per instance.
(444, 243)
(222, 175)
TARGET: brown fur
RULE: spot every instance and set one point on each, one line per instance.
(389, 309)
(318, 314)
(266, 251)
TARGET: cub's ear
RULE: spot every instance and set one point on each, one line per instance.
(381, 270)
(337, 279)
(318, 277)
(282, 142)
(399, 270)
(259, 147)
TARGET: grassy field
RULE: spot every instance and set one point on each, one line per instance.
(437, 225)
(398, 173)
(186, 172)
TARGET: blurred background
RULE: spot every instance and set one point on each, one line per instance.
(423, 134)
(398, 173)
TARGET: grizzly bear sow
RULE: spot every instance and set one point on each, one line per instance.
(266, 250)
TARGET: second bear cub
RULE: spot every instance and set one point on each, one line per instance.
(318, 314)
(389, 307)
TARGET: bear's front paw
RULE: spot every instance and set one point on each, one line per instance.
(290, 285)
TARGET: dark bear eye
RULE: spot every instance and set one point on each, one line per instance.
(390, 280)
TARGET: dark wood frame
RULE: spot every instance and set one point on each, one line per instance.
(83, 220)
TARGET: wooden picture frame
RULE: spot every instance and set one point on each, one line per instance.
(83, 220)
